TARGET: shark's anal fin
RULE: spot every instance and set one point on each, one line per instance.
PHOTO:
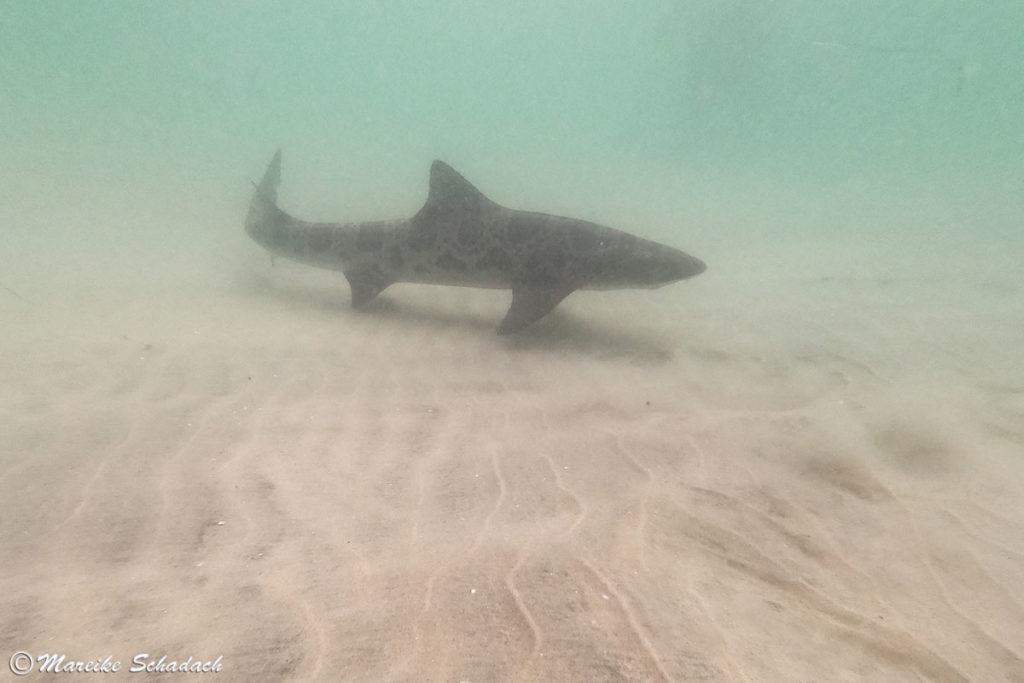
(366, 284)
(531, 302)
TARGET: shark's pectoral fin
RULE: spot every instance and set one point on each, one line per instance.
(366, 284)
(532, 302)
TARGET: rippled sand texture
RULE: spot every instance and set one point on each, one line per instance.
(725, 481)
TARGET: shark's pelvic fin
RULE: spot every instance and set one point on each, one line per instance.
(531, 302)
(366, 283)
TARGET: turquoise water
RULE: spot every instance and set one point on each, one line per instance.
(804, 91)
(802, 465)
(687, 121)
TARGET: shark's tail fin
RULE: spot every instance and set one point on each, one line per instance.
(263, 209)
(271, 179)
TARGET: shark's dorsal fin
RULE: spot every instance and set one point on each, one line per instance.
(447, 186)
(452, 203)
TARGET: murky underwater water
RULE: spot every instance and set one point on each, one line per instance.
(804, 464)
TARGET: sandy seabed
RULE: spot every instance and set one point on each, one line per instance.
(735, 479)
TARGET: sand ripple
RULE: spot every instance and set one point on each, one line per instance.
(316, 494)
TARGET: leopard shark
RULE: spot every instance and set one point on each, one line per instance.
(462, 238)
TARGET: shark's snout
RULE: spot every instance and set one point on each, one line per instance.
(635, 263)
(690, 266)
(671, 265)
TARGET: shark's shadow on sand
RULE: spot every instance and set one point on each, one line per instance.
(561, 331)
